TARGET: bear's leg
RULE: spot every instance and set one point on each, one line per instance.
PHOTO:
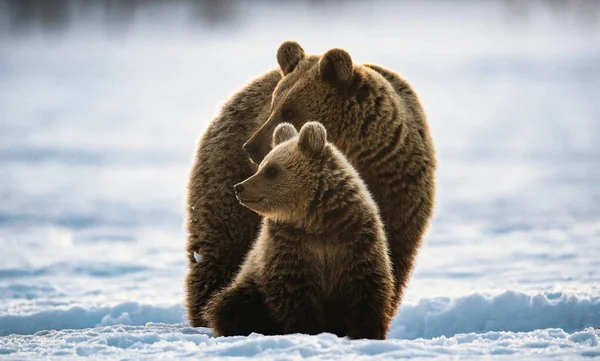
(240, 310)
(367, 319)
(356, 315)
(294, 306)
(202, 281)
(369, 308)
(335, 312)
(367, 327)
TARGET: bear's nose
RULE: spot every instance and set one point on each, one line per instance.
(238, 188)
(249, 148)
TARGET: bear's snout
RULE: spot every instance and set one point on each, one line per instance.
(249, 147)
(238, 189)
(252, 151)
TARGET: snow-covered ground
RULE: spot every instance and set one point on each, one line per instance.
(97, 132)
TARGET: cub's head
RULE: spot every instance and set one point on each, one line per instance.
(287, 178)
(313, 87)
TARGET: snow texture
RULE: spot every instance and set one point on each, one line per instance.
(97, 133)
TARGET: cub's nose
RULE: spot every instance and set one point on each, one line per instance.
(238, 188)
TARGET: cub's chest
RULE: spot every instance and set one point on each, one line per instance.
(330, 264)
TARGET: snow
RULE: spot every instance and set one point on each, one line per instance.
(97, 132)
(429, 318)
(170, 341)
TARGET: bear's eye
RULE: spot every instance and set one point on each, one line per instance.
(287, 113)
(271, 172)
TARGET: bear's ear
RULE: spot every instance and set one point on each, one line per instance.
(283, 132)
(312, 139)
(289, 55)
(336, 67)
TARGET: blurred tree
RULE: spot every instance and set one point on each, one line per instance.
(118, 15)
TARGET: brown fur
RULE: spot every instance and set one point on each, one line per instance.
(219, 229)
(321, 262)
(376, 119)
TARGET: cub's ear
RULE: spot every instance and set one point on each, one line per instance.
(336, 67)
(312, 139)
(288, 56)
(283, 132)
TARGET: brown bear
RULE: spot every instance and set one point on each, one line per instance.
(376, 119)
(220, 231)
(321, 261)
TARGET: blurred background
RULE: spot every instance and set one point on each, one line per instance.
(102, 102)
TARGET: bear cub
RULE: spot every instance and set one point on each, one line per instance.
(321, 260)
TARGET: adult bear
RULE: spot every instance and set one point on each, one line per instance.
(219, 230)
(376, 119)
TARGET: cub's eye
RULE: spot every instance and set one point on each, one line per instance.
(287, 113)
(271, 172)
